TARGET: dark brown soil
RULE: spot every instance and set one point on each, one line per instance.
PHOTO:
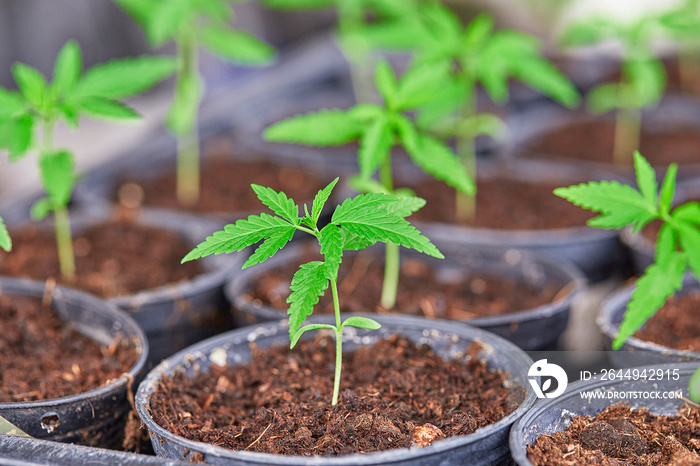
(225, 186)
(420, 291)
(112, 259)
(280, 402)
(43, 358)
(593, 141)
(619, 436)
(676, 324)
(504, 204)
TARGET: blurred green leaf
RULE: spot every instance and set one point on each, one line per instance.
(236, 46)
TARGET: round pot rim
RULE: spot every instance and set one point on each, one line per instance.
(575, 279)
(382, 457)
(516, 439)
(33, 288)
(612, 305)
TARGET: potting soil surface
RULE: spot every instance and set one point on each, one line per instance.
(112, 259)
(676, 324)
(593, 141)
(504, 204)
(420, 292)
(42, 357)
(280, 401)
(225, 186)
(618, 436)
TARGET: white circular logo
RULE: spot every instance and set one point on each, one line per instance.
(552, 379)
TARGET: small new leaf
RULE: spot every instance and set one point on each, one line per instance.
(362, 322)
(306, 328)
(320, 201)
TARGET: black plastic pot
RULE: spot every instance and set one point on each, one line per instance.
(96, 417)
(487, 445)
(635, 351)
(530, 329)
(555, 414)
(176, 315)
(27, 451)
(533, 123)
(598, 253)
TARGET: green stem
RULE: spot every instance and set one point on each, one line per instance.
(391, 251)
(64, 239)
(627, 135)
(338, 344)
(351, 19)
(188, 144)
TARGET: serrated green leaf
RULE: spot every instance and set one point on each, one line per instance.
(407, 132)
(5, 240)
(365, 216)
(361, 322)
(126, 77)
(16, 136)
(57, 173)
(104, 108)
(405, 206)
(375, 146)
(646, 178)
(665, 244)
(31, 84)
(236, 46)
(279, 203)
(298, 4)
(181, 116)
(659, 282)
(270, 246)
(668, 189)
(308, 285)
(324, 128)
(364, 112)
(320, 201)
(295, 339)
(240, 235)
(604, 98)
(41, 209)
(435, 158)
(446, 101)
(140, 11)
(619, 204)
(387, 85)
(688, 212)
(546, 78)
(417, 86)
(689, 237)
(67, 69)
(11, 104)
(353, 242)
(331, 241)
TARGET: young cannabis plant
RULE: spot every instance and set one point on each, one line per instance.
(39, 106)
(677, 247)
(5, 240)
(356, 224)
(191, 23)
(479, 55)
(395, 26)
(379, 128)
(642, 80)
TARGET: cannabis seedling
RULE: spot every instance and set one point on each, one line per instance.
(642, 79)
(72, 94)
(395, 26)
(378, 128)
(356, 224)
(677, 247)
(479, 55)
(191, 24)
(5, 240)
